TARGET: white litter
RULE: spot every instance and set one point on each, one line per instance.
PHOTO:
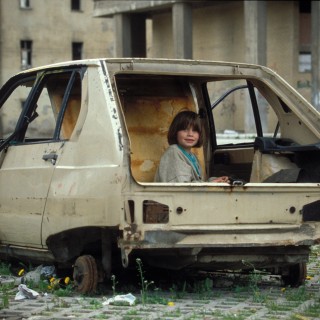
(25, 293)
(125, 298)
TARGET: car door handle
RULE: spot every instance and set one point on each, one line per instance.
(50, 156)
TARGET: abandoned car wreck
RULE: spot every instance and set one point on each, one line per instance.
(78, 160)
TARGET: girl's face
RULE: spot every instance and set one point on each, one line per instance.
(188, 138)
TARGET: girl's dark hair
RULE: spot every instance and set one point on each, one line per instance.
(182, 121)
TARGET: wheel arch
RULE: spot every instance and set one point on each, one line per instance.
(66, 246)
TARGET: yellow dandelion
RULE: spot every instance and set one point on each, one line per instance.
(283, 289)
(52, 280)
(308, 277)
(170, 304)
(21, 272)
(66, 280)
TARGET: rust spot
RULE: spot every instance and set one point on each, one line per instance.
(132, 228)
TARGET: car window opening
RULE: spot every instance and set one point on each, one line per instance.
(158, 99)
(227, 150)
(41, 116)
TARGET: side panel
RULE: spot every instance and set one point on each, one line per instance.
(24, 182)
(221, 216)
(87, 182)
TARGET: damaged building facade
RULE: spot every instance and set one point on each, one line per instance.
(282, 35)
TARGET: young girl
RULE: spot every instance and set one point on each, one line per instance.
(178, 163)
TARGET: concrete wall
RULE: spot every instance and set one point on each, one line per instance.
(162, 39)
(218, 34)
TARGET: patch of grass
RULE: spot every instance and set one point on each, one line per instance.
(60, 303)
(68, 291)
(297, 294)
(203, 288)
(274, 306)
(173, 313)
(178, 293)
(312, 310)
(255, 278)
(6, 287)
(5, 290)
(4, 302)
(5, 269)
(95, 304)
(132, 312)
(156, 297)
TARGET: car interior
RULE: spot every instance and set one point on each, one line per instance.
(149, 104)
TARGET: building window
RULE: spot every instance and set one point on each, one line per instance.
(25, 4)
(26, 54)
(75, 5)
(77, 50)
(305, 36)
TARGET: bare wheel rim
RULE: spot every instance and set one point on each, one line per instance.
(85, 274)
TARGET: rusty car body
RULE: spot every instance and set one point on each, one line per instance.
(80, 144)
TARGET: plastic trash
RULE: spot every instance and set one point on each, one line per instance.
(32, 276)
(25, 293)
(48, 271)
(126, 298)
(35, 275)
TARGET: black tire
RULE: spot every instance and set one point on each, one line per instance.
(297, 275)
(85, 274)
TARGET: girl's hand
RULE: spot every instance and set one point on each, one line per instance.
(221, 179)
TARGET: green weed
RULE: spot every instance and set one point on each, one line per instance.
(132, 312)
(297, 294)
(95, 304)
(5, 269)
(177, 293)
(114, 283)
(68, 291)
(143, 282)
(254, 279)
(204, 288)
(4, 303)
